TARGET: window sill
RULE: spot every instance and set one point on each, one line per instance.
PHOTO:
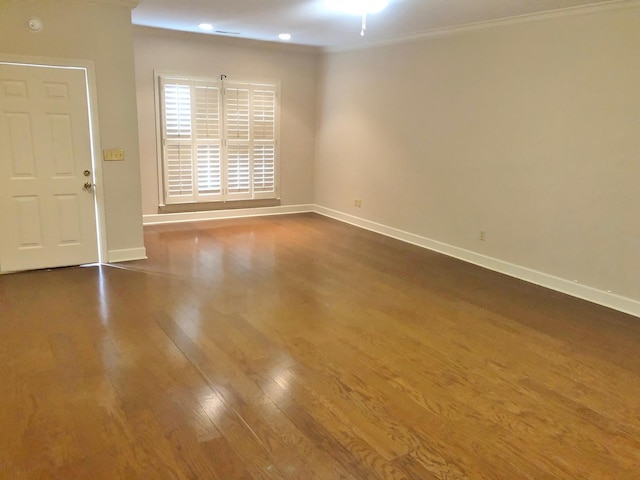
(209, 206)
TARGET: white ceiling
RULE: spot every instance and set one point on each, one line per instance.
(310, 23)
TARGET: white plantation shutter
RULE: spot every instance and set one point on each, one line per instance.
(264, 141)
(178, 147)
(208, 141)
(237, 134)
(238, 171)
(209, 170)
(264, 174)
(207, 110)
(177, 105)
(264, 113)
(179, 172)
(218, 145)
(237, 113)
(250, 119)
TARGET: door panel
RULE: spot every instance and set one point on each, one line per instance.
(47, 219)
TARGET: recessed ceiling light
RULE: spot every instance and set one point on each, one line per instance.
(206, 27)
(357, 7)
(284, 36)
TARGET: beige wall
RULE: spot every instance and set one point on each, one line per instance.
(529, 132)
(100, 33)
(210, 56)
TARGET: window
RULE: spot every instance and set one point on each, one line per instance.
(219, 140)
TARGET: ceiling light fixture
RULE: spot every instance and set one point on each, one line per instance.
(284, 36)
(207, 27)
(358, 7)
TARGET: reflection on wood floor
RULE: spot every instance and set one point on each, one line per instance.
(298, 347)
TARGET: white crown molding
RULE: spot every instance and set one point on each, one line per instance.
(501, 22)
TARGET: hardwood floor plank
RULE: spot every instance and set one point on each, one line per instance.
(226, 461)
(411, 465)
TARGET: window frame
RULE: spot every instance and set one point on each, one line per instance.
(159, 77)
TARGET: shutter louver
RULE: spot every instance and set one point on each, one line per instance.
(209, 170)
(177, 108)
(207, 111)
(237, 113)
(238, 169)
(264, 175)
(179, 171)
(264, 114)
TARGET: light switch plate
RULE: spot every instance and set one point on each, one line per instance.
(113, 154)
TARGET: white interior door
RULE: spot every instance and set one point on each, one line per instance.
(47, 213)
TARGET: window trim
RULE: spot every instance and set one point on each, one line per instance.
(158, 75)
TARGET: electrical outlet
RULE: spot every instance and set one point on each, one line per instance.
(358, 203)
(482, 236)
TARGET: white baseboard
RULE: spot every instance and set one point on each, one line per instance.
(127, 254)
(163, 218)
(584, 292)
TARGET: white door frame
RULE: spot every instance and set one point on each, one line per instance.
(94, 130)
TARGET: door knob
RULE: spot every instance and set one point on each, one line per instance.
(87, 186)
(86, 173)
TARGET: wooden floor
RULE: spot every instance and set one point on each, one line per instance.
(301, 348)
